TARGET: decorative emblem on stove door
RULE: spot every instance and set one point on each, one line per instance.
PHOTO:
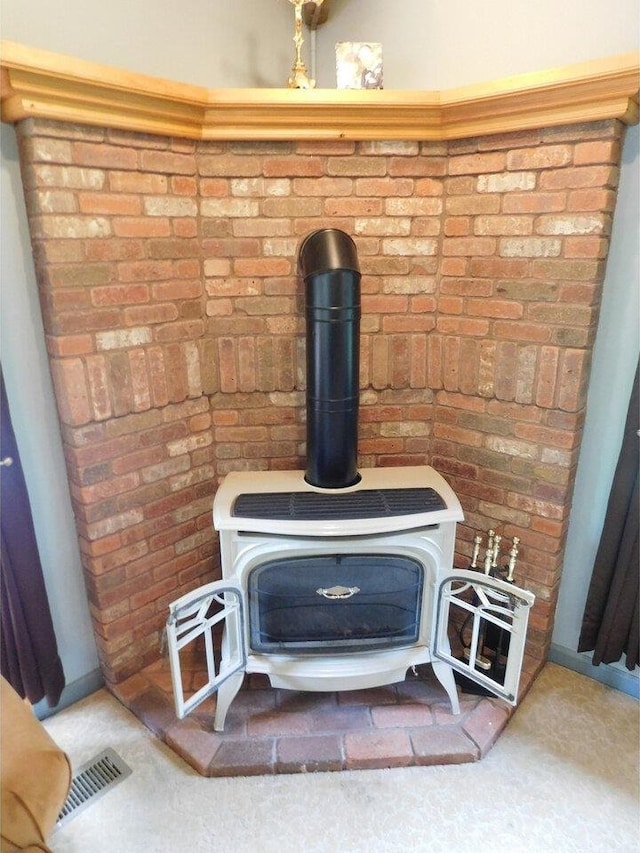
(338, 591)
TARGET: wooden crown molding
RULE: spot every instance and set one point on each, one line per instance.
(39, 84)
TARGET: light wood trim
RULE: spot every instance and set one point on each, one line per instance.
(40, 84)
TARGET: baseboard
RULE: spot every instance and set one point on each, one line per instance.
(72, 693)
(613, 676)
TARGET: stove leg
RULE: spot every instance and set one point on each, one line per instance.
(227, 692)
(444, 674)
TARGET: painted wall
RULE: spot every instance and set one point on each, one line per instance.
(447, 43)
(215, 43)
(33, 413)
(207, 42)
(615, 358)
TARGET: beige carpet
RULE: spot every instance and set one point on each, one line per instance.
(563, 777)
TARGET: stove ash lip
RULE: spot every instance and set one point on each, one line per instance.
(328, 264)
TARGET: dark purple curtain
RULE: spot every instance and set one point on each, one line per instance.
(28, 653)
(610, 624)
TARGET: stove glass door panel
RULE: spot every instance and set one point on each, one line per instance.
(335, 603)
(490, 617)
(210, 615)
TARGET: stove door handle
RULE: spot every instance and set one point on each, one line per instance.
(335, 592)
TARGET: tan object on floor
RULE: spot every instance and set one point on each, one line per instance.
(35, 774)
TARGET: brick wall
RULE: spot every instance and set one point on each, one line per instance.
(174, 324)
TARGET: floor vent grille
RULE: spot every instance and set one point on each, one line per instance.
(93, 780)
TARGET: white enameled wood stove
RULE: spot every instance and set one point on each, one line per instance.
(334, 579)
(342, 591)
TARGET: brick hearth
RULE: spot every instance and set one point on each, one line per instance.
(174, 325)
(283, 731)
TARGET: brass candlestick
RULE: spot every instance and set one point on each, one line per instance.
(299, 78)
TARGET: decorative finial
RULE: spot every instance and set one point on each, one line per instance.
(299, 78)
(477, 541)
(513, 555)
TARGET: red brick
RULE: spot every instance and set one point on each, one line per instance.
(579, 178)
(168, 162)
(141, 227)
(586, 247)
(145, 271)
(289, 167)
(417, 166)
(70, 345)
(230, 165)
(119, 294)
(462, 326)
(113, 250)
(181, 185)
(356, 166)
(572, 381)
(535, 202)
(485, 723)
(262, 266)
(475, 164)
(540, 157)
(443, 745)
(214, 187)
(137, 182)
(457, 226)
(366, 750)
(530, 332)
(185, 227)
(383, 187)
(600, 151)
(592, 200)
(169, 290)
(353, 206)
(116, 204)
(453, 266)
(71, 390)
(104, 156)
(469, 246)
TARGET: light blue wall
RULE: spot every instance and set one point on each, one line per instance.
(218, 43)
(25, 368)
(615, 357)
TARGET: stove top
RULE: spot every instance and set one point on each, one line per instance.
(384, 500)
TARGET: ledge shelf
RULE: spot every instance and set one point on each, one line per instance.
(40, 84)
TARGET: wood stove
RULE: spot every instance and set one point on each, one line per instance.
(337, 579)
(323, 601)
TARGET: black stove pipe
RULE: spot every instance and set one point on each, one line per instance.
(328, 264)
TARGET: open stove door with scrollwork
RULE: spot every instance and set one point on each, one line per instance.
(196, 619)
(485, 611)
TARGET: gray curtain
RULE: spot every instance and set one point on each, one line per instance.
(610, 624)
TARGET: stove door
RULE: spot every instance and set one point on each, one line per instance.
(205, 614)
(489, 617)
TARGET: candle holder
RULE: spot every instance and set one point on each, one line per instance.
(299, 77)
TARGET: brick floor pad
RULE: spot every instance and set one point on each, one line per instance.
(271, 730)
